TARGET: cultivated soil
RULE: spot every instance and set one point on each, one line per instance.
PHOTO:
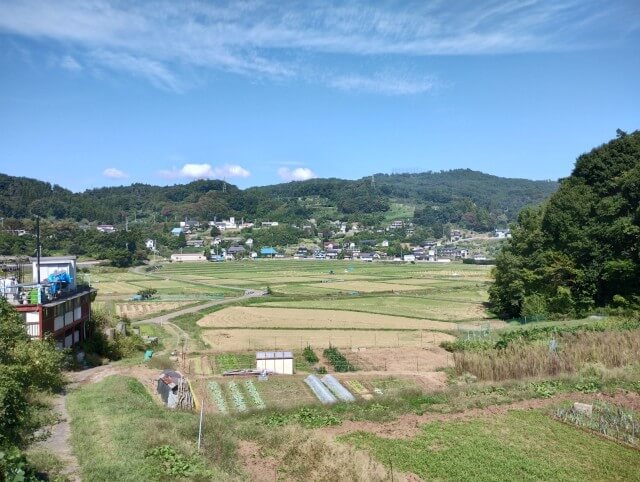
(404, 359)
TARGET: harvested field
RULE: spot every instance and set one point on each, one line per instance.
(275, 339)
(401, 360)
(428, 309)
(367, 286)
(136, 309)
(258, 317)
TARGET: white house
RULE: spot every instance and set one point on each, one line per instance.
(106, 228)
(150, 244)
(409, 257)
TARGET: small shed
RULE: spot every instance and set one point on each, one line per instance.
(175, 391)
(168, 382)
(280, 362)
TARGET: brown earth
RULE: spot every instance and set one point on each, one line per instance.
(409, 425)
(402, 360)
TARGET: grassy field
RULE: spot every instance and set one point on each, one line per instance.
(521, 445)
(120, 285)
(116, 422)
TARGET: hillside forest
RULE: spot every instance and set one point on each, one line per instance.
(581, 248)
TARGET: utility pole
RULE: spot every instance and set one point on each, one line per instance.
(38, 248)
(200, 427)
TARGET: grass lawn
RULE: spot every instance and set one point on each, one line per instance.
(116, 421)
(520, 445)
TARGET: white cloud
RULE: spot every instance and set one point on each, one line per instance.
(114, 173)
(297, 174)
(205, 171)
(231, 170)
(69, 63)
(383, 84)
(162, 40)
(155, 72)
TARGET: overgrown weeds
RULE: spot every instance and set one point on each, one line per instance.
(568, 355)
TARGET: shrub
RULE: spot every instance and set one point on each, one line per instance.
(310, 355)
(338, 360)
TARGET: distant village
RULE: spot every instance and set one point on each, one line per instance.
(230, 244)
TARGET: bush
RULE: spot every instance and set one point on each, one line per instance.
(310, 355)
(14, 466)
(338, 360)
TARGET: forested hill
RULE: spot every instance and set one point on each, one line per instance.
(463, 197)
(581, 248)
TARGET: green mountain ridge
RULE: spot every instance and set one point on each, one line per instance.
(466, 198)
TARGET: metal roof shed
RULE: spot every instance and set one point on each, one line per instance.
(280, 362)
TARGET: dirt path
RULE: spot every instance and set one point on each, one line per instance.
(58, 441)
(410, 424)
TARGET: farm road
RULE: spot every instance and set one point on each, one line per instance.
(165, 320)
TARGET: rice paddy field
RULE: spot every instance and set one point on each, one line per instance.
(121, 285)
(230, 340)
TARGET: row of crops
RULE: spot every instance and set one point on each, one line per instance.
(235, 396)
(328, 389)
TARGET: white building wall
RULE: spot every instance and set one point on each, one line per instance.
(33, 324)
(280, 366)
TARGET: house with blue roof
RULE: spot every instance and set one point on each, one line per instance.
(177, 231)
(268, 251)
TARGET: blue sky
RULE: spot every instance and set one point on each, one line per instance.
(110, 92)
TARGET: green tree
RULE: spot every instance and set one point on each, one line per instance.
(26, 368)
(582, 247)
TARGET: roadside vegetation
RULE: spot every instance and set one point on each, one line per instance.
(29, 370)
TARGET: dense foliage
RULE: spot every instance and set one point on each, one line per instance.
(338, 360)
(467, 198)
(26, 367)
(582, 248)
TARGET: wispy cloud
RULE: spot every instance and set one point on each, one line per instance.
(155, 72)
(297, 174)
(205, 171)
(114, 173)
(161, 39)
(383, 83)
(69, 63)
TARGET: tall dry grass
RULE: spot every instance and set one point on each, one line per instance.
(304, 455)
(520, 360)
